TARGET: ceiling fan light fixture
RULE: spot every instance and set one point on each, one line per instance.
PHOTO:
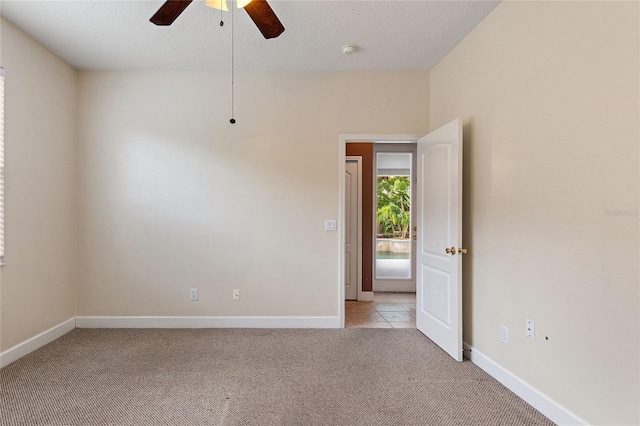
(222, 4)
(217, 4)
(259, 11)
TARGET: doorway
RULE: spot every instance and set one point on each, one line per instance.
(363, 146)
(439, 182)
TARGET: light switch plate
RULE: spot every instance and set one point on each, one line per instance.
(330, 225)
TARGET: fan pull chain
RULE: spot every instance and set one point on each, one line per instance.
(221, 21)
(233, 120)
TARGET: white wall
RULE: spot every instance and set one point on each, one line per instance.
(173, 196)
(38, 280)
(549, 95)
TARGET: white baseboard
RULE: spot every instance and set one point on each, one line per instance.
(366, 296)
(208, 322)
(550, 408)
(36, 342)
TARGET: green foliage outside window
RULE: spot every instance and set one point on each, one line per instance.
(394, 204)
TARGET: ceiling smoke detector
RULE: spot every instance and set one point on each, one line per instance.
(348, 49)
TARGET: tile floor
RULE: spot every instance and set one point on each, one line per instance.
(388, 310)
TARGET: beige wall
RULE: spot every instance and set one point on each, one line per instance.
(549, 96)
(174, 197)
(38, 280)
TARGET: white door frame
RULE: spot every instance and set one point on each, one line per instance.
(342, 157)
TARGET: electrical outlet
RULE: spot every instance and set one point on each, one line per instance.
(236, 294)
(193, 294)
(504, 335)
(531, 329)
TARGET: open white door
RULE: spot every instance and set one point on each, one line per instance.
(439, 256)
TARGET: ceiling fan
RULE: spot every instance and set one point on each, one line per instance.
(259, 11)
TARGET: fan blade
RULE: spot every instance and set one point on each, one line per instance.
(264, 18)
(169, 11)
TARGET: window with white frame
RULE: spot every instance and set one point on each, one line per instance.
(1, 166)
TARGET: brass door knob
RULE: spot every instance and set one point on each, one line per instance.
(462, 251)
(451, 250)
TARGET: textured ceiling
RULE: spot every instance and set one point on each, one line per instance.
(391, 35)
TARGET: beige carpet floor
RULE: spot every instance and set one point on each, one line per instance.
(252, 377)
